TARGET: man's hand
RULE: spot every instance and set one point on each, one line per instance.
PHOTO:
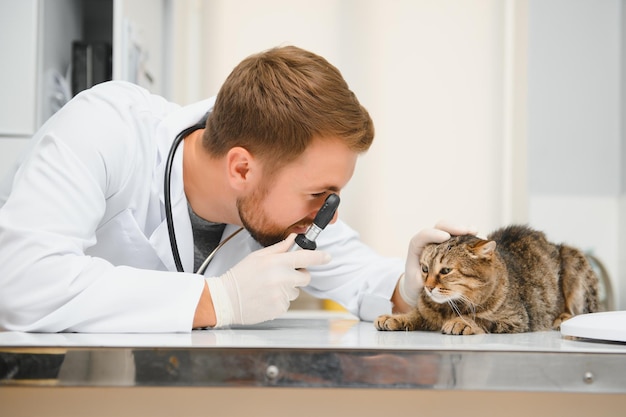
(410, 283)
(261, 286)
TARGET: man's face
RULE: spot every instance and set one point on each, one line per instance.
(289, 203)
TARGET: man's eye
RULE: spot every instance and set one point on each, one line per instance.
(318, 195)
(425, 269)
(445, 271)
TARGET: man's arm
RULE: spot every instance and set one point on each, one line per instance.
(399, 305)
(205, 311)
(409, 285)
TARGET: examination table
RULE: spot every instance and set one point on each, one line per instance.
(310, 364)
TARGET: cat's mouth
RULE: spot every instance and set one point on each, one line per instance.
(437, 296)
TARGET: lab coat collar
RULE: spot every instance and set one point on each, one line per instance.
(166, 132)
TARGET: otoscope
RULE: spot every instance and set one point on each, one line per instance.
(307, 239)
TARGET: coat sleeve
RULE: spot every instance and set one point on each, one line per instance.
(358, 278)
(58, 196)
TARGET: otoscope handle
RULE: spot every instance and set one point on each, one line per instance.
(324, 216)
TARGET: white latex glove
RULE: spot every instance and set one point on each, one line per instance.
(261, 286)
(411, 282)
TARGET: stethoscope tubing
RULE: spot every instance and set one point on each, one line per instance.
(167, 181)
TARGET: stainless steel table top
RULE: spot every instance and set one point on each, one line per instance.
(315, 349)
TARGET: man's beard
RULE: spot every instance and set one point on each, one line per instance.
(262, 229)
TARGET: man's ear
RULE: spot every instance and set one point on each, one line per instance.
(242, 167)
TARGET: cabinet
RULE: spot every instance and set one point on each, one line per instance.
(36, 46)
(18, 46)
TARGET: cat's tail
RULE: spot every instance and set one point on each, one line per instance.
(579, 282)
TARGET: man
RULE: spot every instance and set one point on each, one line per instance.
(84, 237)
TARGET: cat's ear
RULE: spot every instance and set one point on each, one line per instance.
(484, 248)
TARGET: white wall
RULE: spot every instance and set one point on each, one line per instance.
(431, 73)
(621, 229)
(576, 139)
(487, 112)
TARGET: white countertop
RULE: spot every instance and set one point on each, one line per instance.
(316, 330)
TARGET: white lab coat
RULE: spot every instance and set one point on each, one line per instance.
(83, 239)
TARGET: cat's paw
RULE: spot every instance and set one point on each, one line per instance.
(388, 322)
(560, 319)
(460, 326)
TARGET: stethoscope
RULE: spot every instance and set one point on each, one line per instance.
(169, 218)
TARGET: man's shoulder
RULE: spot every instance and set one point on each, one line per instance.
(118, 85)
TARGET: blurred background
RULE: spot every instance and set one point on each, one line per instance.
(487, 112)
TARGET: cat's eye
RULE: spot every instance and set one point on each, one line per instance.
(425, 269)
(445, 271)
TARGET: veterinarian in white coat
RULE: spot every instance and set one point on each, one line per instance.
(84, 243)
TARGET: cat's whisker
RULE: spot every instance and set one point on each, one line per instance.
(454, 307)
(470, 304)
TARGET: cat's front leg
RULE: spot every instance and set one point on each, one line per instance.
(461, 326)
(408, 321)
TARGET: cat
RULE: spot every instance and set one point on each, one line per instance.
(515, 281)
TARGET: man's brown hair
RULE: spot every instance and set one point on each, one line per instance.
(274, 103)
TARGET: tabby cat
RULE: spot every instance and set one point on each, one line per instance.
(515, 281)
